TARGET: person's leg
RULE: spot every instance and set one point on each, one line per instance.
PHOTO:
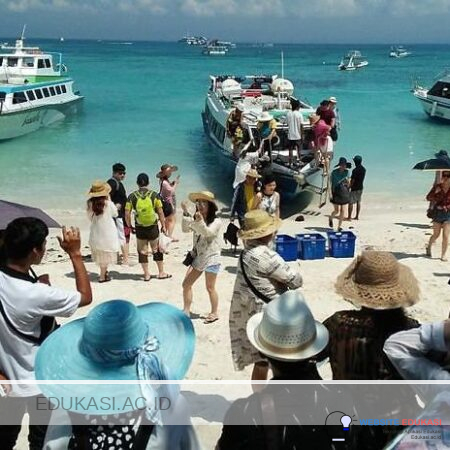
(333, 215)
(342, 211)
(210, 279)
(12, 410)
(436, 232)
(350, 212)
(103, 272)
(142, 248)
(445, 233)
(192, 275)
(158, 257)
(39, 419)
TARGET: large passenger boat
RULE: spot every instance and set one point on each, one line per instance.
(256, 96)
(34, 90)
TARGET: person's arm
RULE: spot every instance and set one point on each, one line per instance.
(187, 219)
(283, 273)
(432, 194)
(277, 211)
(70, 242)
(161, 218)
(235, 202)
(257, 200)
(208, 231)
(113, 209)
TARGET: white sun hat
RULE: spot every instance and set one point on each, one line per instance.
(265, 117)
(286, 330)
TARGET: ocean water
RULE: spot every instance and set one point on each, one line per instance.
(143, 103)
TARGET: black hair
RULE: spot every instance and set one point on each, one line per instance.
(324, 103)
(295, 104)
(212, 211)
(142, 180)
(118, 167)
(268, 178)
(22, 236)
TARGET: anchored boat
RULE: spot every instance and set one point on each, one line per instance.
(436, 100)
(256, 96)
(398, 52)
(34, 90)
(354, 60)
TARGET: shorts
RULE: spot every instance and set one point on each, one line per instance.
(215, 268)
(355, 197)
(441, 216)
(146, 236)
(297, 143)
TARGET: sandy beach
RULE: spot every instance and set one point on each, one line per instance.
(401, 228)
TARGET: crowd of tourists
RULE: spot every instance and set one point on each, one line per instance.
(271, 326)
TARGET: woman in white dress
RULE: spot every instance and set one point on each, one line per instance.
(269, 199)
(103, 237)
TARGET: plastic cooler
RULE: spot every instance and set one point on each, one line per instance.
(342, 244)
(286, 247)
(311, 246)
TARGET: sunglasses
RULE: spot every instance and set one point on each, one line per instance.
(201, 202)
(446, 175)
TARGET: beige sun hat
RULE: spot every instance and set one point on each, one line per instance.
(377, 280)
(99, 189)
(257, 224)
(202, 195)
(314, 118)
(252, 173)
(165, 168)
(286, 329)
(265, 117)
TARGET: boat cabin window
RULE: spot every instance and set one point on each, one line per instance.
(30, 95)
(48, 64)
(46, 93)
(58, 89)
(440, 89)
(41, 64)
(52, 90)
(28, 62)
(1, 61)
(12, 62)
(38, 93)
(19, 97)
(2, 96)
(63, 88)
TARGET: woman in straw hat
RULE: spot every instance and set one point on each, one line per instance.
(103, 237)
(167, 190)
(205, 254)
(382, 287)
(262, 274)
(245, 195)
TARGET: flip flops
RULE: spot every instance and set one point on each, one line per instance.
(210, 318)
(165, 277)
(105, 280)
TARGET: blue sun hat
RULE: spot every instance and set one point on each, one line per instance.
(116, 341)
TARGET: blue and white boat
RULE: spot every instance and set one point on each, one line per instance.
(257, 95)
(34, 90)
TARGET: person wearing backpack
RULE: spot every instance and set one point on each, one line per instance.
(147, 208)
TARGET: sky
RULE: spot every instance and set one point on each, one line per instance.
(287, 21)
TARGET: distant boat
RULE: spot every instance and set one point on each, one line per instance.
(398, 52)
(216, 47)
(436, 100)
(354, 60)
(122, 43)
(193, 40)
(61, 39)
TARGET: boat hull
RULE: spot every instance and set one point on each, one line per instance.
(19, 123)
(435, 109)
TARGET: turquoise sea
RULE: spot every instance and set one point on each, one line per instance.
(143, 103)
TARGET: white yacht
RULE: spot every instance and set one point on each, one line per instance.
(436, 100)
(398, 52)
(352, 61)
(34, 90)
(258, 95)
(215, 47)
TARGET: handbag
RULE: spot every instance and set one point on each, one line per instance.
(190, 255)
(255, 291)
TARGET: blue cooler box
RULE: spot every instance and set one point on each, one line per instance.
(342, 244)
(311, 246)
(286, 247)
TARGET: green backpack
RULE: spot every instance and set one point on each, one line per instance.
(144, 205)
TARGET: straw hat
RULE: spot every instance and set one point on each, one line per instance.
(165, 168)
(377, 280)
(258, 223)
(332, 100)
(265, 117)
(252, 173)
(203, 195)
(286, 330)
(314, 118)
(99, 189)
(116, 341)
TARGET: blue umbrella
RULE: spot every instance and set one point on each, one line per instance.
(434, 164)
(10, 211)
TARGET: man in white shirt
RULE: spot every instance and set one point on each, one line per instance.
(28, 306)
(294, 121)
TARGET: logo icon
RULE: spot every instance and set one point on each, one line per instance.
(339, 422)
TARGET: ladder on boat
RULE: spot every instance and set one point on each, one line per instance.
(325, 188)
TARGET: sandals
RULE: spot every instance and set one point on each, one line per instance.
(107, 278)
(210, 318)
(164, 277)
(428, 251)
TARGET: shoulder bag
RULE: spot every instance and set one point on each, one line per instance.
(255, 291)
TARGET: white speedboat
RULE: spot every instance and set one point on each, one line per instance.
(259, 95)
(398, 52)
(194, 40)
(214, 48)
(34, 90)
(352, 61)
(436, 100)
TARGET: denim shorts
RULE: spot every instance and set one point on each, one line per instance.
(215, 268)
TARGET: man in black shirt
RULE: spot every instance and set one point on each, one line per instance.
(356, 187)
(119, 198)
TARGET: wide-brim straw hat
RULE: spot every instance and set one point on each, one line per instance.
(99, 189)
(202, 195)
(258, 224)
(165, 168)
(116, 327)
(252, 173)
(286, 329)
(314, 118)
(377, 280)
(265, 117)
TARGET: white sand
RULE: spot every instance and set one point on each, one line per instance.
(401, 228)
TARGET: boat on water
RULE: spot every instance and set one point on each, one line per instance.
(193, 40)
(436, 100)
(398, 52)
(34, 90)
(352, 61)
(257, 95)
(214, 48)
